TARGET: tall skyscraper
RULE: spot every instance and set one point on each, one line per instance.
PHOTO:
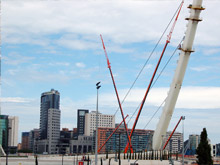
(13, 131)
(81, 121)
(49, 100)
(49, 122)
(4, 131)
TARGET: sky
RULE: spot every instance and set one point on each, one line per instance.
(56, 44)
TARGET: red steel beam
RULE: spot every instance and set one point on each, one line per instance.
(122, 114)
(111, 135)
(172, 133)
(145, 96)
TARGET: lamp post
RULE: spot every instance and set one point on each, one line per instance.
(62, 158)
(7, 149)
(183, 118)
(119, 150)
(96, 136)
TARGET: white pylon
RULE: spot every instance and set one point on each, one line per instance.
(186, 50)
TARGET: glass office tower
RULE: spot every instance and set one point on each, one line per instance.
(4, 131)
(49, 100)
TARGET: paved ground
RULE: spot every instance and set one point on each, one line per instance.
(72, 161)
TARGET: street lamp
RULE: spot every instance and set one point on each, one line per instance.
(7, 149)
(96, 136)
(183, 118)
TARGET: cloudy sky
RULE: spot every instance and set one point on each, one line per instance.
(55, 44)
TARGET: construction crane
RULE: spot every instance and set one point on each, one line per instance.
(119, 102)
(186, 50)
(152, 78)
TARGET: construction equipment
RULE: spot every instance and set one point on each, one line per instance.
(122, 114)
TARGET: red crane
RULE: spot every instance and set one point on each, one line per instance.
(152, 78)
(122, 114)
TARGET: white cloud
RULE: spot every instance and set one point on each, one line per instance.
(77, 44)
(211, 51)
(189, 97)
(15, 59)
(59, 64)
(80, 65)
(119, 21)
(200, 69)
(15, 100)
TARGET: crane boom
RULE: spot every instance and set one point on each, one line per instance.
(152, 78)
(116, 91)
(186, 50)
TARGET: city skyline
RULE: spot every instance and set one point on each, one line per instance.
(60, 48)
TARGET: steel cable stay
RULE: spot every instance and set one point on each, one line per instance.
(158, 78)
(155, 113)
(167, 62)
(154, 82)
(139, 73)
(154, 73)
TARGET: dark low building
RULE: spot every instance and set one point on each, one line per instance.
(82, 145)
(33, 137)
(218, 149)
(141, 139)
(25, 141)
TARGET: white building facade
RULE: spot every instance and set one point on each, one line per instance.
(13, 131)
(53, 129)
(176, 142)
(104, 120)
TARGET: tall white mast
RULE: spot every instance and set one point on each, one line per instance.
(186, 50)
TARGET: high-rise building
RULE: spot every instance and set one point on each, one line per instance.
(49, 100)
(13, 131)
(4, 131)
(107, 121)
(49, 122)
(175, 143)
(194, 141)
(81, 121)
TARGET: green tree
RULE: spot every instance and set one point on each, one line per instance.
(204, 150)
